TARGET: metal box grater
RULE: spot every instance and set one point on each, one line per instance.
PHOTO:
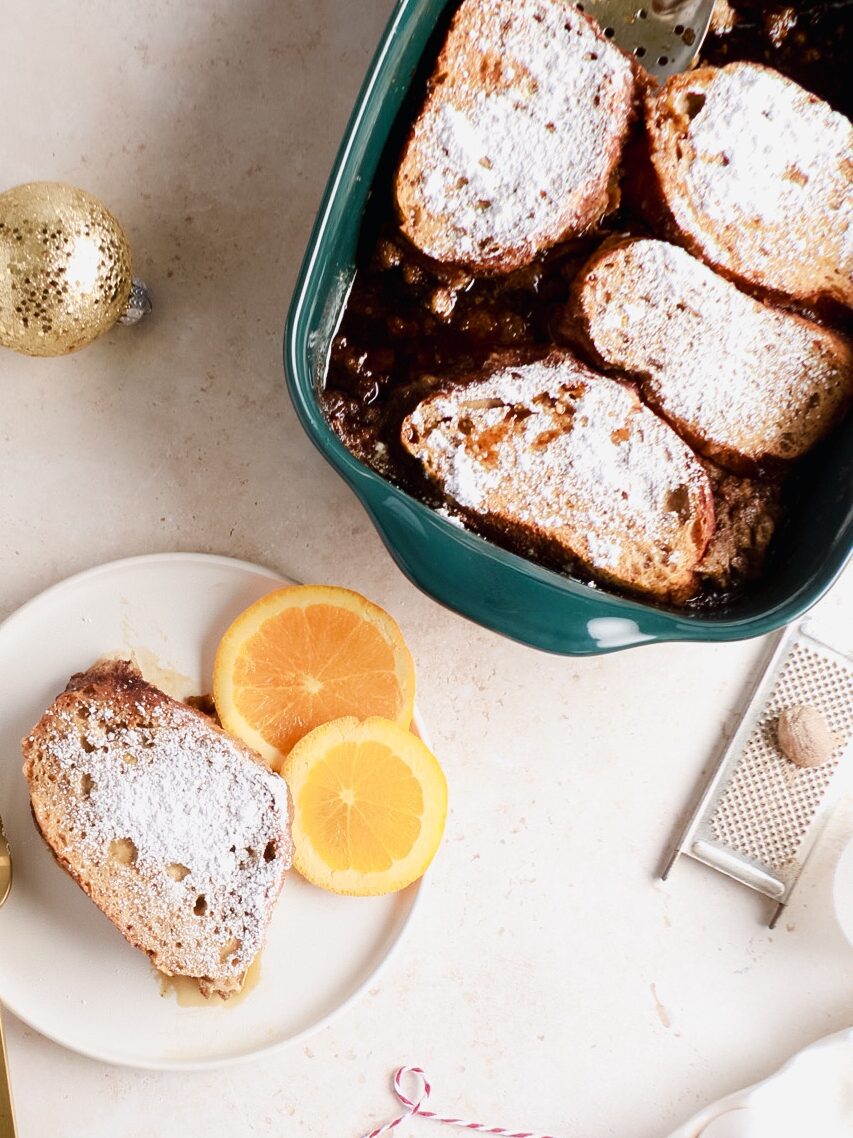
(761, 815)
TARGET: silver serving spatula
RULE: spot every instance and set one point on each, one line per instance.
(665, 35)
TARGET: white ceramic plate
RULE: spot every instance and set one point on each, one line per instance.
(810, 1097)
(64, 969)
(842, 891)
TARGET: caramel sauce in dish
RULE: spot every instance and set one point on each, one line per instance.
(411, 323)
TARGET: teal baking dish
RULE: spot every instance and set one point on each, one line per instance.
(483, 582)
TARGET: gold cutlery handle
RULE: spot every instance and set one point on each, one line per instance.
(7, 1113)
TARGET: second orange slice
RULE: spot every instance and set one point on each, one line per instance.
(303, 656)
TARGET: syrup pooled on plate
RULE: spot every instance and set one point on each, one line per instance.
(187, 995)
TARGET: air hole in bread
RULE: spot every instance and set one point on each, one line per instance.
(200, 906)
(693, 103)
(228, 949)
(86, 784)
(678, 502)
(123, 851)
(177, 871)
(270, 851)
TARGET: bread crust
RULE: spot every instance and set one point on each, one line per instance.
(518, 141)
(749, 386)
(177, 832)
(753, 174)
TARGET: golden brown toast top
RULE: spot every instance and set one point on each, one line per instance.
(519, 137)
(177, 831)
(549, 449)
(756, 176)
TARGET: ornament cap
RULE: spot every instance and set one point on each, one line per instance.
(138, 303)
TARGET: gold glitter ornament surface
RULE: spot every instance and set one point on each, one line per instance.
(65, 269)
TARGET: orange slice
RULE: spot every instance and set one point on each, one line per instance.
(369, 805)
(304, 655)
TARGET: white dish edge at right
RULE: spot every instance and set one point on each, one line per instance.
(810, 1096)
(842, 891)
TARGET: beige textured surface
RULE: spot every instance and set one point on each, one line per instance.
(548, 981)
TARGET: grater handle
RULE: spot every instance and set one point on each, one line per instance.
(736, 867)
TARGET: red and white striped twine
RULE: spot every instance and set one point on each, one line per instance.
(417, 1106)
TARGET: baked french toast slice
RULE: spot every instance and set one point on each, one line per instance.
(178, 832)
(755, 175)
(746, 384)
(569, 463)
(517, 144)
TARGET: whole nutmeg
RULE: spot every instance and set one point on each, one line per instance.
(803, 736)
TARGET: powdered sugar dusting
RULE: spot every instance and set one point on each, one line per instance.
(521, 134)
(204, 825)
(732, 372)
(574, 457)
(770, 168)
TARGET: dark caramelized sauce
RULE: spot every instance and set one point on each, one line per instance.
(409, 320)
(809, 42)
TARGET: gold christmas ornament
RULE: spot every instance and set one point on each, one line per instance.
(65, 270)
